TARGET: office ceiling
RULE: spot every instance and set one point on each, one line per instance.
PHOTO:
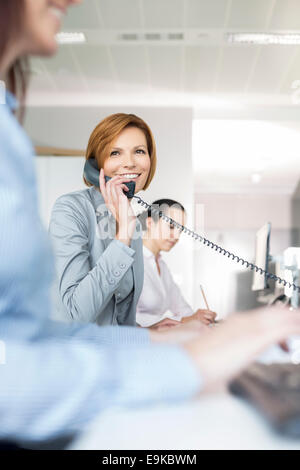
(174, 50)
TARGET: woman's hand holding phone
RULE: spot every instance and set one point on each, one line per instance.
(119, 205)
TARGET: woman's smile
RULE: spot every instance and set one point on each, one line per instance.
(129, 157)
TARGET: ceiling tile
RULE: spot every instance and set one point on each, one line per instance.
(93, 60)
(165, 67)
(96, 66)
(130, 64)
(83, 16)
(235, 68)
(39, 78)
(118, 14)
(291, 83)
(62, 70)
(206, 13)
(249, 14)
(62, 62)
(270, 68)
(163, 13)
(200, 65)
(286, 15)
(39, 83)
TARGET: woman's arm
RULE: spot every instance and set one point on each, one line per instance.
(101, 335)
(85, 291)
(179, 307)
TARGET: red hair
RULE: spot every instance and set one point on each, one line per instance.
(107, 131)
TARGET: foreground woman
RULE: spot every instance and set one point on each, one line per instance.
(55, 378)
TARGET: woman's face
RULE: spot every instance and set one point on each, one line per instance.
(129, 157)
(43, 19)
(162, 233)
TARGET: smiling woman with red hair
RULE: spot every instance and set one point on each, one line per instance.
(95, 235)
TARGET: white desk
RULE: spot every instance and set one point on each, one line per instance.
(218, 421)
(214, 422)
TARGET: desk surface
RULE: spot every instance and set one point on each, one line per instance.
(218, 421)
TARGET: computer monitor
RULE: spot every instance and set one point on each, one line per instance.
(262, 247)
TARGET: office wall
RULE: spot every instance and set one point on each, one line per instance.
(231, 221)
(71, 127)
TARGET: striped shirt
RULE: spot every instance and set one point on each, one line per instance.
(55, 378)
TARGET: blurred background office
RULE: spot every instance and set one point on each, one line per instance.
(218, 81)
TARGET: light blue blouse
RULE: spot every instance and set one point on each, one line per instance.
(56, 377)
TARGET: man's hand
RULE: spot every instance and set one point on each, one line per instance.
(230, 348)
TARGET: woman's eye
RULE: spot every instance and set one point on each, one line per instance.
(141, 151)
(114, 153)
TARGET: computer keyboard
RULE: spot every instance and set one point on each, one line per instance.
(274, 389)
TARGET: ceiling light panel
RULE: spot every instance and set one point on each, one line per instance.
(264, 38)
(71, 38)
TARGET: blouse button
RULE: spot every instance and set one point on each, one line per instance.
(117, 273)
(122, 265)
(111, 281)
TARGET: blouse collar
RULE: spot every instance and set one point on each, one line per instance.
(148, 253)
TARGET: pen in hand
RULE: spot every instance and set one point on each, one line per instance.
(202, 291)
(205, 301)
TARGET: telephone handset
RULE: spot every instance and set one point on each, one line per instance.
(91, 174)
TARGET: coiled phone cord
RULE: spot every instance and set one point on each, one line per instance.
(216, 247)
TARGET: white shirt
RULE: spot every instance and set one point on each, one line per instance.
(161, 297)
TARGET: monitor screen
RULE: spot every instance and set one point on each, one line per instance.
(262, 244)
